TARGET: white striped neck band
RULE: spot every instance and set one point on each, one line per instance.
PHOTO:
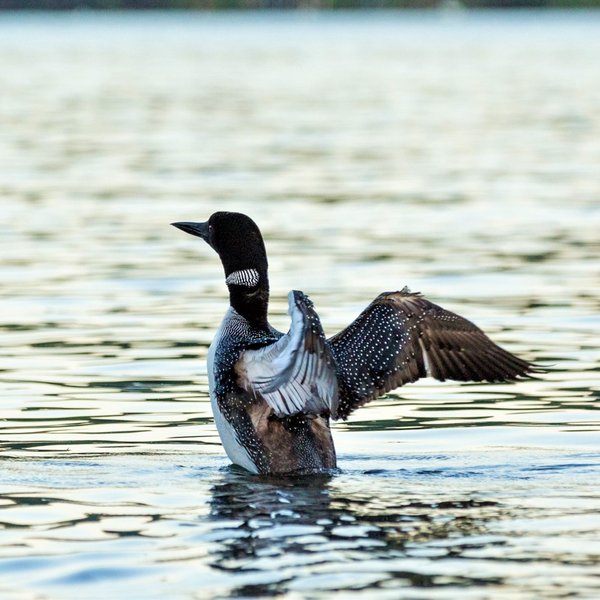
(246, 277)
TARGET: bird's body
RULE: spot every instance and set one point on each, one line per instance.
(251, 436)
(273, 394)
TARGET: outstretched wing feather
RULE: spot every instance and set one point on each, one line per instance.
(296, 374)
(401, 337)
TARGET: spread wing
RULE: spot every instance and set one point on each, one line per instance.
(297, 373)
(401, 337)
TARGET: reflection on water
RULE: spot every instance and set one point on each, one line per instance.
(441, 521)
(311, 536)
(347, 543)
(456, 156)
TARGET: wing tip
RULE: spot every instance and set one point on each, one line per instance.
(534, 369)
(529, 371)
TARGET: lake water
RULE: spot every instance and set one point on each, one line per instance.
(456, 154)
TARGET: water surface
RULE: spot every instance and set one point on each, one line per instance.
(454, 154)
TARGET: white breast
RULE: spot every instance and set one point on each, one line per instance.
(236, 452)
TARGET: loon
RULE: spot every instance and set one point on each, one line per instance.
(273, 394)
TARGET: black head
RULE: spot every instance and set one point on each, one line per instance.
(237, 240)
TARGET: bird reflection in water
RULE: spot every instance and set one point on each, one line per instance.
(286, 528)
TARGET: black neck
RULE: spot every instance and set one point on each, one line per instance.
(252, 302)
(241, 248)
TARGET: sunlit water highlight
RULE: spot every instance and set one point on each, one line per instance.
(457, 155)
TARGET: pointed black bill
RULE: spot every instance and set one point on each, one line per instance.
(198, 229)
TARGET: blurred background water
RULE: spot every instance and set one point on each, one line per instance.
(457, 154)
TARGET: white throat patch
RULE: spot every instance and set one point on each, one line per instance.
(247, 277)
